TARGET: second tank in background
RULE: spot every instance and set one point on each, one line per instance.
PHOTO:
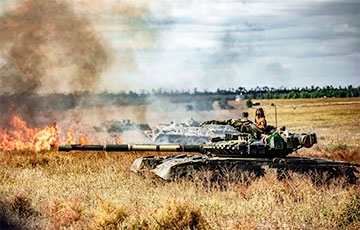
(187, 133)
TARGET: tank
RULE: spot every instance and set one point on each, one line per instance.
(120, 126)
(186, 133)
(233, 157)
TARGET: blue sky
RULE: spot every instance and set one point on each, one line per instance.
(210, 44)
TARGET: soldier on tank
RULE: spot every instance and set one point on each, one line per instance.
(260, 121)
(243, 125)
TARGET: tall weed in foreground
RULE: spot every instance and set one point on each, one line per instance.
(178, 214)
(64, 213)
(109, 215)
(18, 212)
(350, 215)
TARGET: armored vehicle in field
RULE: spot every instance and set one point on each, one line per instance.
(186, 133)
(234, 157)
(120, 126)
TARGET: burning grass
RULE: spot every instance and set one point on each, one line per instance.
(21, 137)
(18, 136)
(95, 190)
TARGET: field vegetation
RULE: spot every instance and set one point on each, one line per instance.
(96, 190)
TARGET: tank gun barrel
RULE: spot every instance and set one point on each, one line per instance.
(127, 148)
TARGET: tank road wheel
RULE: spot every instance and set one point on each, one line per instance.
(189, 140)
(224, 172)
(244, 173)
(345, 172)
(283, 173)
(351, 176)
(180, 140)
(200, 140)
(162, 140)
(320, 175)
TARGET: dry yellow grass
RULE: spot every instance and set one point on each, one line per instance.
(95, 190)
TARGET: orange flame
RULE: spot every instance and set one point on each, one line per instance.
(83, 140)
(45, 139)
(20, 137)
(71, 139)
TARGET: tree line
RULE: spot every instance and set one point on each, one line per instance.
(203, 99)
(307, 92)
(254, 93)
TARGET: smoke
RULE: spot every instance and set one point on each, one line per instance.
(236, 49)
(59, 46)
(47, 47)
(277, 72)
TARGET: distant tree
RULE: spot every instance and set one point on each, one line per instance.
(284, 96)
(241, 90)
(292, 95)
(269, 95)
(304, 94)
(249, 103)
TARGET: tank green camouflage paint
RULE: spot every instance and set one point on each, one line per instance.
(235, 157)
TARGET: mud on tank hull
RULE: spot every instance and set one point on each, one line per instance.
(239, 169)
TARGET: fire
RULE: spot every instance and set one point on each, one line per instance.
(20, 137)
(83, 140)
(71, 139)
(45, 139)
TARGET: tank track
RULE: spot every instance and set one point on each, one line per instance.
(238, 169)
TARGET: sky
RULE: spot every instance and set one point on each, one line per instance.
(225, 44)
(210, 44)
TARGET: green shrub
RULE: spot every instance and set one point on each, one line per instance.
(249, 103)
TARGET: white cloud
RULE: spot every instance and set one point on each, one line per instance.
(344, 28)
(211, 43)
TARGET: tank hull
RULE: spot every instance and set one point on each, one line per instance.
(239, 169)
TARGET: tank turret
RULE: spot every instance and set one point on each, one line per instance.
(232, 145)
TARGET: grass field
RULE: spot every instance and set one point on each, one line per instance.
(95, 190)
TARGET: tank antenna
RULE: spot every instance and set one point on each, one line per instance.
(272, 104)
